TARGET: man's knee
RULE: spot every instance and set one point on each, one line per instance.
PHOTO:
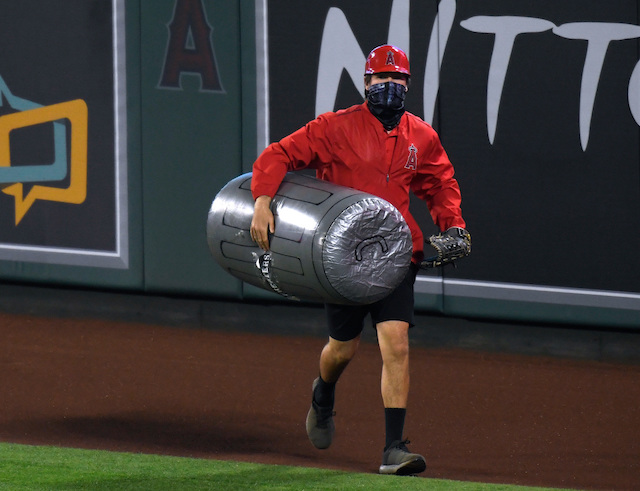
(343, 351)
(393, 338)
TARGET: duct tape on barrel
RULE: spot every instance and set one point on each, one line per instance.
(367, 250)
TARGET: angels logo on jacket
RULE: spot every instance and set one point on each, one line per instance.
(412, 160)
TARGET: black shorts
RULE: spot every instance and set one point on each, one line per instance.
(347, 321)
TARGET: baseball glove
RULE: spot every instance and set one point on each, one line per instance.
(453, 244)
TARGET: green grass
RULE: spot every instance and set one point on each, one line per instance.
(24, 467)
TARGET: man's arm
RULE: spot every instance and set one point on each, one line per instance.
(436, 185)
(306, 147)
(263, 222)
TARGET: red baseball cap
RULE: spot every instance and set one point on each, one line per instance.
(385, 59)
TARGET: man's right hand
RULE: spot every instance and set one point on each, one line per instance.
(263, 222)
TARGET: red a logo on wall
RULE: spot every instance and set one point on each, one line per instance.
(190, 49)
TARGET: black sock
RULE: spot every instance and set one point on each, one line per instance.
(324, 393)
(394, 424)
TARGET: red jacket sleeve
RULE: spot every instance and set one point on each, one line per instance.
(305, 148)
(435, 183)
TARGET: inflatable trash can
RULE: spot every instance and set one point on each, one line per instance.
(331, 243)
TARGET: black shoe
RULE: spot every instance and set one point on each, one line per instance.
(398, 460)
(320, 426)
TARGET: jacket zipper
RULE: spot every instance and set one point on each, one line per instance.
(393, 149)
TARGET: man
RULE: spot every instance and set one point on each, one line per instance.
(379, 148)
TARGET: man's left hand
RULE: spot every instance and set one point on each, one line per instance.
(448, 246)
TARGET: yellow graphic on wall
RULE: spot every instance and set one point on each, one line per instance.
(13, 179)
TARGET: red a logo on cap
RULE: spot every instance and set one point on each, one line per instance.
(390, 60)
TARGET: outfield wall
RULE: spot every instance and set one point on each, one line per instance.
(124, 118)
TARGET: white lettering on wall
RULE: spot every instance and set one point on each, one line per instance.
(506, 29)
(598, 35)
(634, 93)
(340, 51)
(439, 37)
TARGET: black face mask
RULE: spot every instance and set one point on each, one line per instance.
(386, 102)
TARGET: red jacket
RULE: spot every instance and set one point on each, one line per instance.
(350, 147)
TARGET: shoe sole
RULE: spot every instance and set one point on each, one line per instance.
(408, 468)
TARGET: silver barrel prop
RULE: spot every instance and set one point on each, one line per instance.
(331, 243)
